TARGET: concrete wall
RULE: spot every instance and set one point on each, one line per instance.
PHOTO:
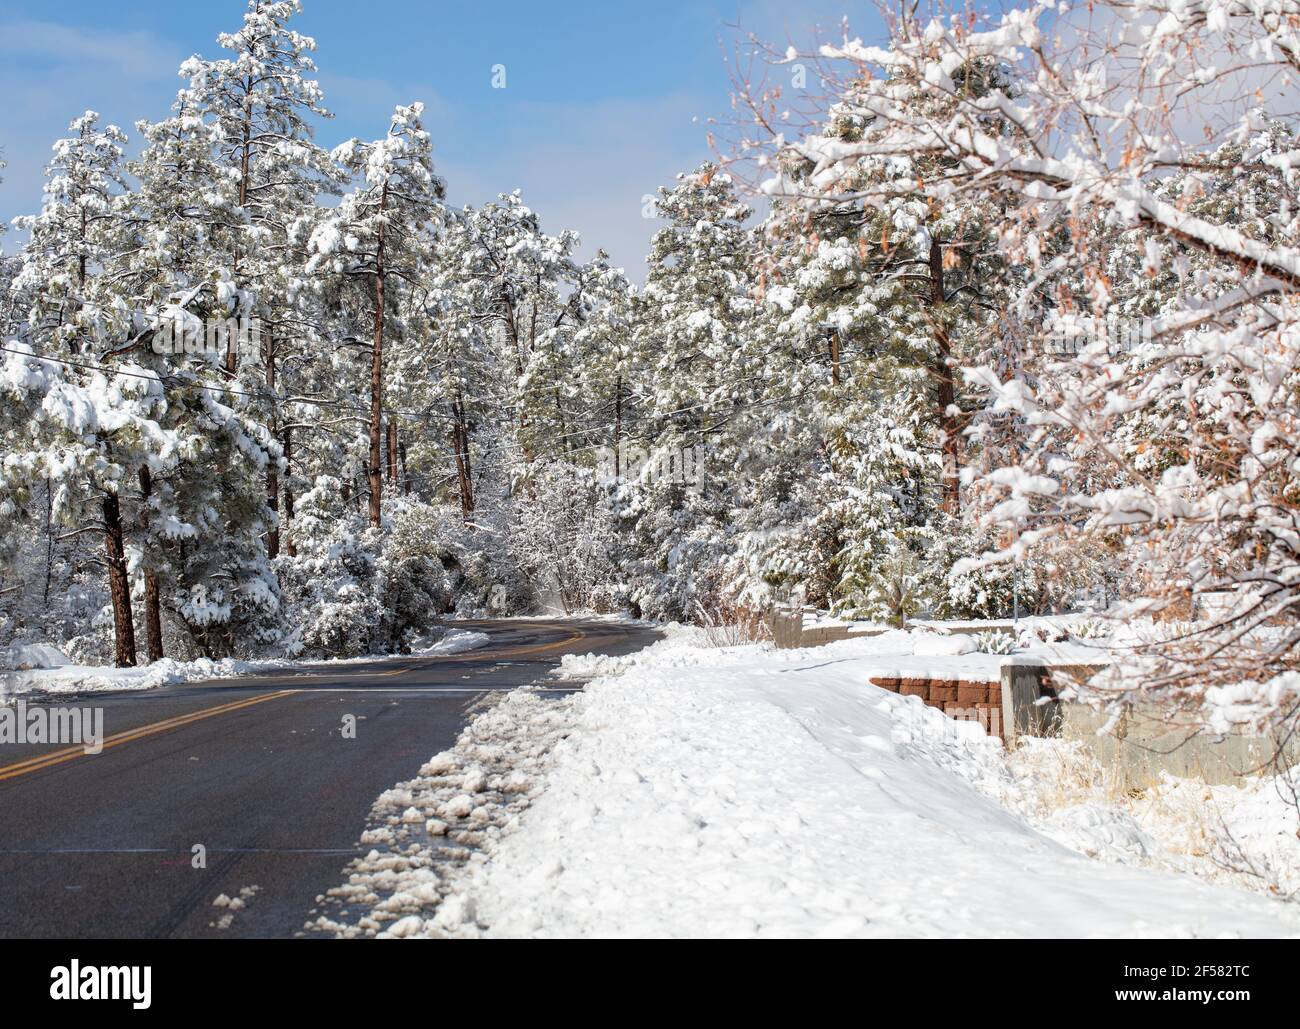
(1140, 747)
(1143, 744)
(786, 625)
(789, 631)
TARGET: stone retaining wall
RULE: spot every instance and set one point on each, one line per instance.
(972, 700)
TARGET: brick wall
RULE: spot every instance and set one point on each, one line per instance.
(964, 699)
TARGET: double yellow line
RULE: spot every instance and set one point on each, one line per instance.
(535, 648)
(58, 757)
(487, 654)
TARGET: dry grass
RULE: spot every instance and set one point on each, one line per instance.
(730, 625)
(1065, 774)
(1186, 818)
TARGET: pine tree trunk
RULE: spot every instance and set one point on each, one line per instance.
(272, 475)
(401, 456)
(152, 594)
(273, 503)
(232, 361)
(288, 493)
(463, 473)
(512, 330)
(119, 588)
(375, 470)
(460, 443)
(81, 260)
(392, 450)
(947, 394)
(618, 423)
(464, 442)
(153, 617)
(49, 538)
(564, 428)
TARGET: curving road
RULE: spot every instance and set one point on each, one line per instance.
(254, 769)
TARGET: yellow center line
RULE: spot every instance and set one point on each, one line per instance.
(536, 648)
(58, 757)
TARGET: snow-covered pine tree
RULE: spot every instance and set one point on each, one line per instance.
(70, 239)
(553, 394)
(202, 514)
(11, 307)
(381, 234)
(259, 102)
(607, 364)
(82, 430)
(893, 286)
(521, 280)
(694, 329)
(448, 370)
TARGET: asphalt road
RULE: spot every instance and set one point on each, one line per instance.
(254, 769)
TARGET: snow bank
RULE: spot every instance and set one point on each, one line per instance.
(679, 648)
(41, 668)
(37, 655)
(936, 645)
(425, 832)
(753, 797)
(752, 792)
(70, 678)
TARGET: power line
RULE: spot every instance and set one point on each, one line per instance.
(666, 414)
(170, 382)
(421, 416)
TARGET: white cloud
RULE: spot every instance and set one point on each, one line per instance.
(134, 54)
(51, 73)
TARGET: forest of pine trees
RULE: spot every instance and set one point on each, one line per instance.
(408, 410)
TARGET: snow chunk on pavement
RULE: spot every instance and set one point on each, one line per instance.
(405, 927)
(457, 641)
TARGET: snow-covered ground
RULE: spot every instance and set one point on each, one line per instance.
(41, 668)
(893, 653)
(754, 792)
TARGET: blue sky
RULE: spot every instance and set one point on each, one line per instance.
(603, 101)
